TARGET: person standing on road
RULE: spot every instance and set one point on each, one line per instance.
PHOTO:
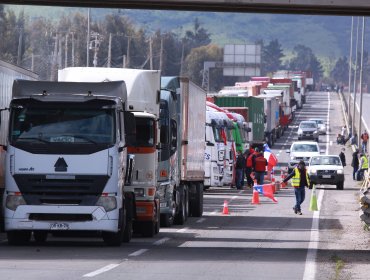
(364, 138)
(259, 166)
(300, 181)
(364, 165)
(249, 167)
(355, 163)
(240, 164)
(343, 157)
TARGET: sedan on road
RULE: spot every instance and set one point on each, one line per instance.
(326, 170)
(320, 125)
(308, 130)
(302, 150)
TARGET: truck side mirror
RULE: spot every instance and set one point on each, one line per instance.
(130, 128)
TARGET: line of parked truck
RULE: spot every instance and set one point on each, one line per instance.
(123, 151)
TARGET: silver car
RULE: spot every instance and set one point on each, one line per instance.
(320, 125)
(308, 130)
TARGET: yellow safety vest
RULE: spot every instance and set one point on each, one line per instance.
(366, 163)
(296, 179)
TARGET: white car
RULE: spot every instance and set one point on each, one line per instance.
(308, 130)
(302, 150)
(326, 170)
(321, 125)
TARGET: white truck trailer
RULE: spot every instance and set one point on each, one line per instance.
(65, 165)
(143, 93)
(181, 157)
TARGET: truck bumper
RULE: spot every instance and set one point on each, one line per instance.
(333, 180)
(76, 218)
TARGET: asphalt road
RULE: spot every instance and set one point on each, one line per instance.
(266, 241)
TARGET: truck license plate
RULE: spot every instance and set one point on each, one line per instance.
(326, 176)
(59, 226)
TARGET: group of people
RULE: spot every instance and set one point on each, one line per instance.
(360, 163)
(248, 162)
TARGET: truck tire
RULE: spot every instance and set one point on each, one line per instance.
(129, 216)
(148, 229)
(182, 214)
(167, 219)
(18, 237)
(115, 238)
(340, 186)
(40, 236)
(196, 200)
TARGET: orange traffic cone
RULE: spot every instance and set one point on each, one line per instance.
(255, 197)
(225, 211)
(269, 192)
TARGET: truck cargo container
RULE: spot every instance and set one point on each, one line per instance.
(255, 112)
(181, 172)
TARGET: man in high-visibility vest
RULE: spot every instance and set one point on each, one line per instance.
(364, 165)
(300, 181)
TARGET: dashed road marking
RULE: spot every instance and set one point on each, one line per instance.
(161, 241)
(101, 270)
(138, 253)
(182, 230)
(201, 220)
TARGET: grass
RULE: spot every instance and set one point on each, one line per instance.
(339, 265)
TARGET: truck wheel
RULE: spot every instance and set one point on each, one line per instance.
(40, 236)
(196, 201)
(127, 233)
(148, 229)
(181, 215)
(167, 219)
(18, 237)
(129, 208)
(340, 186)
(115, 238)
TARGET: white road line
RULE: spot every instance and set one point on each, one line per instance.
(310, 266)
(101, 270)
(138, 253)
(161, 241)
(182, 230)
(201, 220)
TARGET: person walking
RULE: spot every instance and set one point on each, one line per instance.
(259, 166)
(343, 156)
(355, 163)
(239, 166)
(249, 167)
(364, 138)
(300, 180)
(364, 165)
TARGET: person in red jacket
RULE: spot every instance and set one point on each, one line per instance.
(259, 166)
(249, 166)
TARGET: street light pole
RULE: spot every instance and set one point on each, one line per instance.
(88, 38)
(349, 81)
(355, 80)
(362, 62)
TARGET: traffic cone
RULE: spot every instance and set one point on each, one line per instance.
(225, 211)
(313, 200)
(268, 192)
(255, 197)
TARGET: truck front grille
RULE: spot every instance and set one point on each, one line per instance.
(81, 190)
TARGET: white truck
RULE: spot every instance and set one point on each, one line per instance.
(214, 155)
(181, 155)
(143, 93)
(65, 164)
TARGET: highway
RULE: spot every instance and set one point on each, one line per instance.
(266, 241)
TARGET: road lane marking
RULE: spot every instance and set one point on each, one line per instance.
(182, 230)
(101, 270)
(161, 241)
(138, 253)
(201, 220)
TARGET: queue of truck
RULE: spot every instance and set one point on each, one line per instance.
(120, 151)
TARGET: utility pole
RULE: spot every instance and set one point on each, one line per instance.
(355, 80)
(349, 80)
(161, 55)
(54, 63)
(182, 58)
(32, 61)
(128, 52)
(59, 52)
(362, 62)
(66, 51)
(110, 50)
(20, 42)
(88, 38)
(151, 52)
(73, 49)
(124, 61)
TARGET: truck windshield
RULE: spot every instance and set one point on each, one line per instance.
(217, 133)
(61, 124)
(145, 128)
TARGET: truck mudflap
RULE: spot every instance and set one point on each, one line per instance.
(196, 199)
(145, 210)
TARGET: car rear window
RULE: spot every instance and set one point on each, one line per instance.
(304, 148)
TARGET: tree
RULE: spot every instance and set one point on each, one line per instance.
(305, 60)
(194, 65)
(340, 70)
(271, 57)
(196, 38)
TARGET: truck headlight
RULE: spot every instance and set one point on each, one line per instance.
(340, 171)
(108, 202)
(13, 201)
(312, 172)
